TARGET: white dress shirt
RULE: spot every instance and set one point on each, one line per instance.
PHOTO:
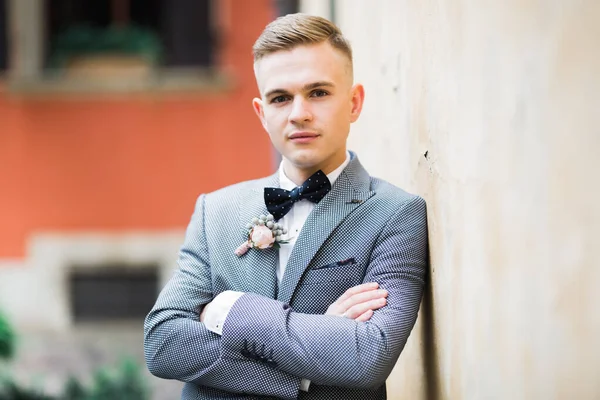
(293, 222)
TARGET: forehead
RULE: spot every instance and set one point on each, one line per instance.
(301, 65)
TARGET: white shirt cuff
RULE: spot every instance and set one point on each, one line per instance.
(304, 384)
(219, 309)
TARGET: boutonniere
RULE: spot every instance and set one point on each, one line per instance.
(263, 233)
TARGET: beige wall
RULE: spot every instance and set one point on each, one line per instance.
(503, 98)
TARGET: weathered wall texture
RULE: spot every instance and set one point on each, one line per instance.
(502, 97)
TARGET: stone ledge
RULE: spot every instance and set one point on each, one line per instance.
(168, 81)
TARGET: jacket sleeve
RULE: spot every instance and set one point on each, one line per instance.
(178, 346)
(335, 351)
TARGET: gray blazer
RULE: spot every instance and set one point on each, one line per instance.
(364, 230)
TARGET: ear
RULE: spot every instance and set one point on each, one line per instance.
(358, 97)
(257, 104)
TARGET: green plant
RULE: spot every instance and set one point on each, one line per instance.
(7, 339)
(124, 383)
(74, 390)
(88, 40)
(10, 390)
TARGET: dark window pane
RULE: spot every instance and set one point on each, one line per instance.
(113, 293)
(63, 14)
(186, 33)
(147, 13)
(285, 7)
(3, 36)
(172, 33)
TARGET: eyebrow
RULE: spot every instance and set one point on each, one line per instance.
(305, 88)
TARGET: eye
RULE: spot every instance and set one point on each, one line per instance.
(279, 99)
(319, 93)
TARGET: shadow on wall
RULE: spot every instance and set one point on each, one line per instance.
(430, 353)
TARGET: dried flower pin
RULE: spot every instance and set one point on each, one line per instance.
(263, 233)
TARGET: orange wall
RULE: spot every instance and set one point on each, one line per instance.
(129, 162)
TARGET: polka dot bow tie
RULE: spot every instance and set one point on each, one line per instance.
(280, 201)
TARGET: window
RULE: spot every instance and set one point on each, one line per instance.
(3, 36)
(115, 45)
(162, 32)
(113, 292)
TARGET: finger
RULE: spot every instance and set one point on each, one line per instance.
(357, 289)
(363, 297)
(342, 304)
(341, 308)
(364, 317)
(361, 308)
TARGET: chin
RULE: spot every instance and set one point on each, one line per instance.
(304, 160)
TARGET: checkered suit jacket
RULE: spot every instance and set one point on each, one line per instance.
(276, 335)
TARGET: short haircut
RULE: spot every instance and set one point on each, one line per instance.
(298, 29)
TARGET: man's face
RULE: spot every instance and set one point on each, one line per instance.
(307, 105)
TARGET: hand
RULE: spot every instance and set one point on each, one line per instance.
(359, 302)
(203, 313)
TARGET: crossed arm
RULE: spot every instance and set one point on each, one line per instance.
(178, 346)
(317, 347)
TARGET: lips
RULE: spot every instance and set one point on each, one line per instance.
(303, 137)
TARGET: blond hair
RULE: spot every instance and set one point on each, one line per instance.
(293, 30)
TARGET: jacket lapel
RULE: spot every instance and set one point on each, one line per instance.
(260, 265)
(350, 191)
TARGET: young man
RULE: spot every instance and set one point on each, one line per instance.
(305, 284)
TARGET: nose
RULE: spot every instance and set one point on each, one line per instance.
(300, 111)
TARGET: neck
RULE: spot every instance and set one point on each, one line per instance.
(300, 174)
